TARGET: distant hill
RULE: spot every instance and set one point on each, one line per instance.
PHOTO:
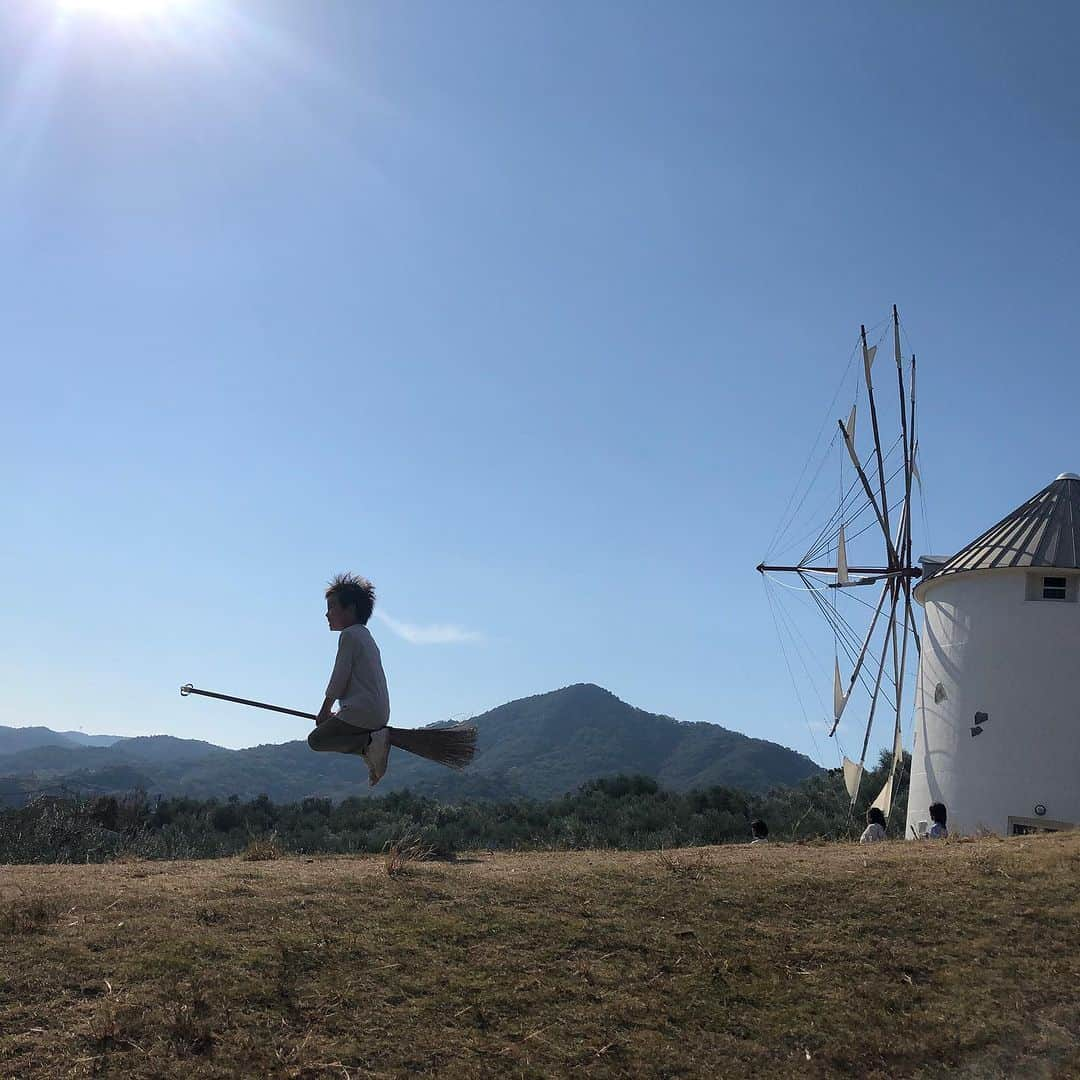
(165, 749)
(537, 747)
(90, 740)
(13, 740)
(552, 743)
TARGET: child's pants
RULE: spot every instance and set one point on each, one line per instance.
(342, 737)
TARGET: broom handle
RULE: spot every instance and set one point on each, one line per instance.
(187, 688)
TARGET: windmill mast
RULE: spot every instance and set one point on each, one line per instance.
(894, 570)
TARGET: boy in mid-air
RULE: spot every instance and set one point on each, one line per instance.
(357, 681)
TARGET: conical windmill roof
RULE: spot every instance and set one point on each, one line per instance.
(1044, 531)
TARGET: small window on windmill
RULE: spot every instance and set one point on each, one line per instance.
(1054, 588)
(1028, 826)
(939, 694)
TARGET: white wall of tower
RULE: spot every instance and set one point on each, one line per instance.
(994, 651)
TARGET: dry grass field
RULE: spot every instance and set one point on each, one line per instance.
(923, 960)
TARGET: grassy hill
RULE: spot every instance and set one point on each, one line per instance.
(903, 960)
(538, 747)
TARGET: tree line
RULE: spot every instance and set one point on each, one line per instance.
(620, 812)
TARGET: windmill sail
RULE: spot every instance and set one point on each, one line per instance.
(884, 800)
(865, 540)
(849, 438)
(839, 697)
(852, 777)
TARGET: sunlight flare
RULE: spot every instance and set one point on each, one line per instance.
(125, 9)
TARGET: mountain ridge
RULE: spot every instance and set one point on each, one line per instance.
(540, 746)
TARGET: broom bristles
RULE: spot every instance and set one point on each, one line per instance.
(452, 746)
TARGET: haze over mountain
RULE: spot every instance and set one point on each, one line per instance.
(25, 738)
(538, 747)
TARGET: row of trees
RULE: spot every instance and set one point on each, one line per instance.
(622, 812)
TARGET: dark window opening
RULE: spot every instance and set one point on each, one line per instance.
(1054, 588)
(1027, 826)
(1023, 829)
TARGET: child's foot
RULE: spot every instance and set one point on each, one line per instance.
(376, 755)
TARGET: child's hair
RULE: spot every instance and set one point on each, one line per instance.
(351, 590)
(938, 812)
(875, 816)
(759, 828)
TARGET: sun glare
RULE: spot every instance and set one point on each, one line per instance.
(124, 9)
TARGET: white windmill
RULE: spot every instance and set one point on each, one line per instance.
(998, 696)
(856, 569)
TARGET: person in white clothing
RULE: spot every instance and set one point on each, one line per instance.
(357, 681)
(875, 827)
(939, 830)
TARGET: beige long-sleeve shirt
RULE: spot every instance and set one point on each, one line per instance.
(358, 681)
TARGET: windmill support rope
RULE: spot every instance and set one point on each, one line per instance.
(842, 629)
(849, 643)
(826, 539)
(860, 659)
(787, 662)
(787, 520)
(812, 591)
(845, 635)
(893, 558)
(823, 538)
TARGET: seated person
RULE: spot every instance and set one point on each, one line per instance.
(875, 827)
(938, 814)
(760, 832)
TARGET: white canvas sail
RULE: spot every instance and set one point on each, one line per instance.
(842, 577)
(884, 800)
(849, 440)
(868, 361)
(852, 777)
(839, 697)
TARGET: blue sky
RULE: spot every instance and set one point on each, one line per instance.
(529, 313)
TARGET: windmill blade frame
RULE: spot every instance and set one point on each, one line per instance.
(880, 655)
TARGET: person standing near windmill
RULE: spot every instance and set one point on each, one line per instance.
(357, 681)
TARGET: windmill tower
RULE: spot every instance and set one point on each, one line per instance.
(998, 693)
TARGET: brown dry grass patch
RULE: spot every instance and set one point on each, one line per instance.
(779, 960)
(262, 849)
(400, 855)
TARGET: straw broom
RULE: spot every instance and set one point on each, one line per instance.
(453, 746)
